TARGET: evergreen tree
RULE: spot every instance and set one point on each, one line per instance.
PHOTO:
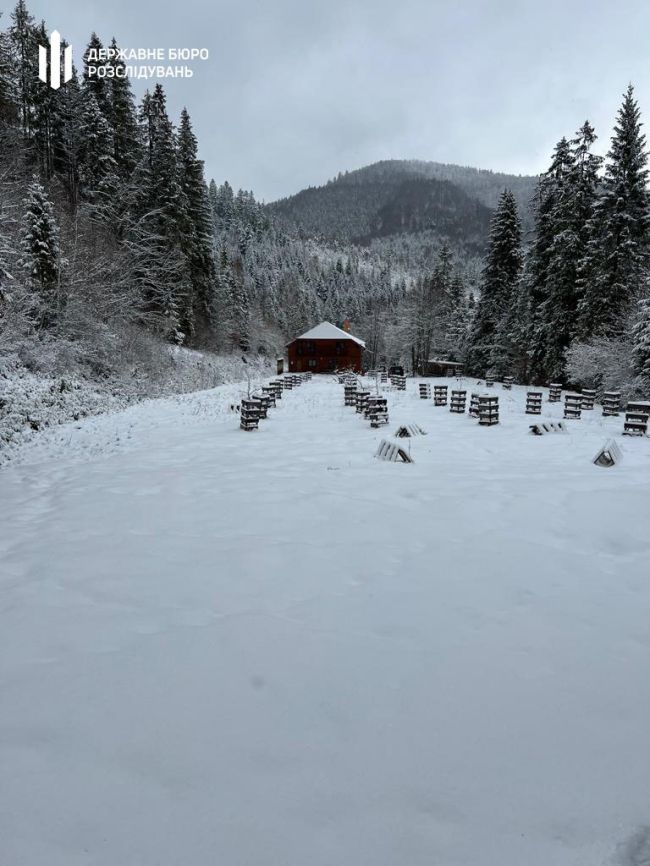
(498, 290)
(40, 253)
(548, 211)
(161, 203)
(9, 112)
(615, 266)
(214, 198)
(641, 338)
(24, 44)
(224, 206)
(458, 319)
(45, 119)
(67, 137)
(97, 167)
(123, 118)
(199, 229)
(6, 253)
(573, 212)
(96, 84)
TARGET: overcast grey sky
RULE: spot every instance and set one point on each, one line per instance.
(296, 90)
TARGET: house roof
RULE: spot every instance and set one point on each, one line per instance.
(328, 331)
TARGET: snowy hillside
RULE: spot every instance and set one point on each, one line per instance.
(270, 648)
(34, 401)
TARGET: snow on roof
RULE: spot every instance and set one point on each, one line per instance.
(328, 331)
(442, 361)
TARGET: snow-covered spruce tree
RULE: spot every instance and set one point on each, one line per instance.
(641, 343)
(429, 310)
(488, 349)
(199, 230)
(213, 197)
(98, 85)
(457, 319)
(16, 302)
(97, 167)
(6, 254)
(23, 40)
(45, 119)
(172, 219)
(615, 267)
(41, 255)
(547, 212)
(573, 212)
(161, 204)
(235, 303)
(67, 140)
(123, 118)
(224, 207)
(8, 82)
(509, 354)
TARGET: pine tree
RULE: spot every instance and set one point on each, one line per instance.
(614, 269)
(67, 141)
(641, 340)
(573, 212)
(40, 253)
(97, 167)
(214, 198)
(5, 255)
(498, 290)
(24, 43)
(97, 84)
(9, 112)
(234, 303)
(159, 200)
(199, 229)
(224, 206)
(514, 334)
(458, 319)
(548, 211)
(123, 118)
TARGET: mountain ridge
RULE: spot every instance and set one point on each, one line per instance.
(404, 197)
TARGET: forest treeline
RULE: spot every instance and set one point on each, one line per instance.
(573, 303)
(111, 239)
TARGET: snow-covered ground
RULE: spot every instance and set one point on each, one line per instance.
(271, 649)
(34, 401)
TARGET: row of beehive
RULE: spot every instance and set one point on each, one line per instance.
(636, 415)
(255, 409)
(373, 407)
(485, 407)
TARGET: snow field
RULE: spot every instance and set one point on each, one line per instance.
(270, 648)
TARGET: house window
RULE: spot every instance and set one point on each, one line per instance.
(311, 348)
(299, 349)
(340, 348)
(311, 362)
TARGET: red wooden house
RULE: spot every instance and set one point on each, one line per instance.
(324, 349)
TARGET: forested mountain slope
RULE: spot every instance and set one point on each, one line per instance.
(403, 197)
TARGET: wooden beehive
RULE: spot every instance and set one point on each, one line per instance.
(458, 401)
(611, 403)
(250, 415)
(488, 410)
(439, 395)
(572, 406)
(588, 398)
(534, 403)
